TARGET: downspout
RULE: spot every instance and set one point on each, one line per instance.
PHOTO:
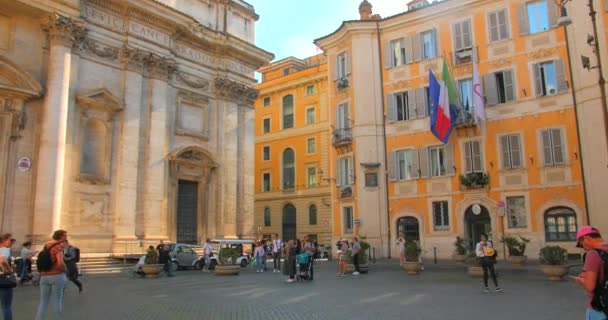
(388, 210)
(578, 127)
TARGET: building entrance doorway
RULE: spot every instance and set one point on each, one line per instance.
(187, 212)
(408, 229)
(289, 222)
(477, 221)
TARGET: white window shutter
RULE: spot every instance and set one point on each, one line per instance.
(509, 86)
(435, 41)
(411, 105)
(515, 151)
(468, 159)
(391, 107)
(336, 67)
(503, 24)
(504, 151)
(522, 19)
(417, 47)
(457, 29)
(347, 57)
(351, 171)
(407, 42)
(560, 75)
(547, 150)
(552, 13)
(477, 156)
(558, 146)
(489, 88)
(345, 117)
(415, 169)
(392, 166)
(337, 121)
(538, 81)
(493, 26)
(424, 162)
(388, 55)
(449, 159)
(420, 103)
(338, 172)
(467, 41)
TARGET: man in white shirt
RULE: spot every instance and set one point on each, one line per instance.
(208, 249)
(277, 247)
(6, 294)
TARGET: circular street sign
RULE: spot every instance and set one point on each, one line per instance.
(24, 164)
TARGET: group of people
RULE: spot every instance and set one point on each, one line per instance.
(342, 253)
(56, 264)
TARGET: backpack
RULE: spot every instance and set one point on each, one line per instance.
(600, 293)
(45, 261)
(77, 254)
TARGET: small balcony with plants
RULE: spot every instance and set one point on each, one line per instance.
(342, 137)
(346, 192)
(474, 181)
(342, 83)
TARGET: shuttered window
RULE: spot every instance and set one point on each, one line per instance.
(441, 215)
(312, 177)
(499, 87)
(311, 146)
(266, 181)
(424, 45)
(342, 69)
(473, 157)
(398, 50)
(266, 152)
(462, 35)
(407, 164)
(342, 116)
(345, 174)
(348, 219)
(437, 158)
(266, 125)
(553, 147)
(498, 25)
(510, 149)
(550, 78)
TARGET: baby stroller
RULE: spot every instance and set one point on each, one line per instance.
(304, 262)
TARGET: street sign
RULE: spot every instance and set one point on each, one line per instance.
(357, 221)
(501, 204)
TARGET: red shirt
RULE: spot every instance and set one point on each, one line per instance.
(594, 263)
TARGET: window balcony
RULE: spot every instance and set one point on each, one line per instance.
(346, 192)
(342, 83)
(475, 181)
(342, 137)
(463, 56)
(465, 119)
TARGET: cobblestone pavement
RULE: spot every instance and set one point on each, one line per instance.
(385, 293)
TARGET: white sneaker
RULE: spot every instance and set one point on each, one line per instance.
(355, 273)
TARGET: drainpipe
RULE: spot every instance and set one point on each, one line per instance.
(388, 210)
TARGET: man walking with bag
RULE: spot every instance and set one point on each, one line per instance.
(52, 275)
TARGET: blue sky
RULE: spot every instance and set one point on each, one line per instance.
(288, 27)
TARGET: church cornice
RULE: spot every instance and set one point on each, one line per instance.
(236, 92)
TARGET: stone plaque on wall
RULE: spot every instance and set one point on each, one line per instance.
(192, 119)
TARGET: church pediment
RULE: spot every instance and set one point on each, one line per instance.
(101, 99)
(16, 81)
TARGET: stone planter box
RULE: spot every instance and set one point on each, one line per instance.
(475, 271)
(152, 270)
(459, 257)
(518, 260)
(412, 267)
(555, 273)
(227, 270)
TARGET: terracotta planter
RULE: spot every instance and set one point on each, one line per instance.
(475, 271)
(227, 270)
(518, 260)
(152, 270)
(555, 273)
(412, 267)
(459, 257)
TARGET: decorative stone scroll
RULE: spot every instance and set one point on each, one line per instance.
(64, 30)
(192, 82)
(99, 50)
(235, 91)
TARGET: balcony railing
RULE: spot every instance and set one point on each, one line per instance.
(463, 56)
(342, 83)
(474, 181)
(342, 137)
(346, 192)
(465, 119)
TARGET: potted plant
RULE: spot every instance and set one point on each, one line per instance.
(460, 250)
(554, 262)
(473, 265)
(475, 180)
(516, 247)
(363, 258)
(228, 266)
(151, 268)
(412, 257)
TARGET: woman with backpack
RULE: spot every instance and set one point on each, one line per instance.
(487, 255)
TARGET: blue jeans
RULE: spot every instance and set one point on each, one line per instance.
(51, 286)
(259, 263)
(6, 300)
(595, 315)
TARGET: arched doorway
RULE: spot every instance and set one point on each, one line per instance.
(477, 221)
(408, 228)
(289, 222)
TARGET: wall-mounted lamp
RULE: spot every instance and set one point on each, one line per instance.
(531, 159)
(576, 155)
(491, 164)
(525, 92)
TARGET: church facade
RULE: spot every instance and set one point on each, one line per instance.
(127, 122)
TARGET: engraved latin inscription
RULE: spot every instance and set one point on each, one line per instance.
(149, 34)
(193, 54)
(100, 17)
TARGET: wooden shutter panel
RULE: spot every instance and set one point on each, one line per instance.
(346, 119)
(547, 152)
(338, 172)
(467, 41)
(415, 169)
(560, 75)
(477, 156)
(435, 41)
(504, 152)
(423, 154)
(515, 151)
(411, 105)
(420, 103)
(351, 171)
(391, 109)
(489, 87)
(407, 42)
(538, 81)
(347, 57)
(522, 19)
(388, 55)
(558, 146)
(392, 166)
(457, 36)
(468, 160)
(417, 47)
(337, 122)
(493, 26)
(503, 24)
(449, 159)
(509, 87)
(336, 67)
(552, 13)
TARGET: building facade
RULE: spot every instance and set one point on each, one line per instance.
(127, 122)
(292, 190)
(518, 173)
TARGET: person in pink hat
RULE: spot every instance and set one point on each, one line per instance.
(596, 257)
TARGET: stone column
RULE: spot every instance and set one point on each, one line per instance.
(128, 159)
(156, 175)
(62, 31)
(247, 177)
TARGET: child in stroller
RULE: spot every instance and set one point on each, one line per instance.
(304, 261)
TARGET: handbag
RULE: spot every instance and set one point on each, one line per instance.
(8, 281)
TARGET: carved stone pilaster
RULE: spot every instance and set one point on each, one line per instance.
(234, 91)
(160, 68)
(64, 30)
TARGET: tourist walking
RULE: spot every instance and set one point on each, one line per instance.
(208, 251)
(401, 248)
(309, 248)
(356, 252)
(164, 257)
(596, 257)
(290, 260)
(71, 257)
(25, 274)
(266, 251)
(487, 256)
(277, 247)
(259, 254)
(341, 256)
(53, 279)
(6, 293)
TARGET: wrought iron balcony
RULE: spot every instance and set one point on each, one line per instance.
(342, 137)
(463, 56)
(342, 83)
(465, 119)
(474, 181)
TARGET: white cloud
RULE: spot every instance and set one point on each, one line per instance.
(386, 8)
